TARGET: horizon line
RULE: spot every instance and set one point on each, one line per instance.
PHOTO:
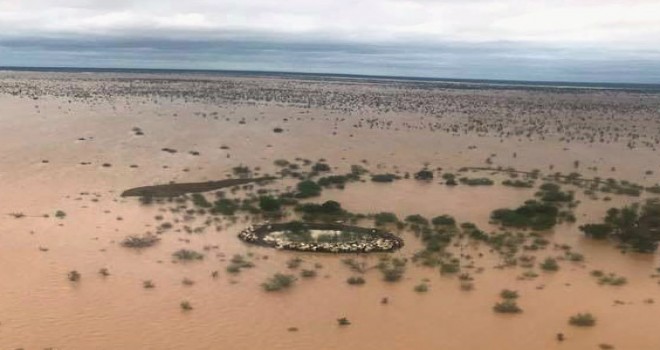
(557, 84)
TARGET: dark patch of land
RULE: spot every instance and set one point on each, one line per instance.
(178, 189)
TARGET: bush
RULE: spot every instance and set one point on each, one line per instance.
(200, 201)
(225, 207)
(186, 306)
(549, 264)
(424, 174)
(421, 288)
(270, 204)
(355, 280)
(73, 276)
(278, 282)
(327, 208)
(507, 307)
(139, 241)
(383, 178)
(508, 294)
(385, 218)
(582, 320)
(186, 254)
(635, 226)
(597, 231)
(482, 181)
(518, 183)
(443, 220)
(307, 273)
(534, 215)
(336, 180)
(307, 189)
(319, 167)
(417, 219)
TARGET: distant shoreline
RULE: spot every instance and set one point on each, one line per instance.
(432, 82)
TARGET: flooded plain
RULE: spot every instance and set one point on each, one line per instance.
(72, 143)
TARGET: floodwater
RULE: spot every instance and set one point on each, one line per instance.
(40, 308)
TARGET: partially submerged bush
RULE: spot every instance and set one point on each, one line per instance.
(443, 220)
(424, 174)
(507, 306)
(549, 264)
(186, 254)
(140, 241)
(278, 282)
(200, 201)
(508, 294)
(518, 183)
(355, 280)
(186, 306)
(269, 204)
(481, 181)
(533, 214)
(385, 218)
(582, 320)
(307, 189)
(635, 226)
(73, 276)
(421, 288)
(237, 263)
(392, 269)
(383, 177)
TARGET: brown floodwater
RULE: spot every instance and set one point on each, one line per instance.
(40, 308)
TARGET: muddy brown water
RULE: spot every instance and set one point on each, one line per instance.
(40, 308)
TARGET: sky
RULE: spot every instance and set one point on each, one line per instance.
(542, 40)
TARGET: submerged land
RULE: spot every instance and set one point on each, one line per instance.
(521, 216)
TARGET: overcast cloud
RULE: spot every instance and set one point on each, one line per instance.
(589, 40)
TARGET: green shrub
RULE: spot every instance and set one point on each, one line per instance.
(443, 220)
(424, 174)
(225, 207)
(385, 218)
(507, 307)
(186, 306)
(582, 320)
(549, 264)
(73, 276)
(269, 204)
(307, 189)
(482, 181)
(139, 241)
(319, 167)
(417, 219)
(200, 201)
(635, 226)
(307, 273)
(421, 288)
(186, 254)
(355, 280)
(518, 183)
(534, 215)
(278, 282)
(383, 177)
(508, 294)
